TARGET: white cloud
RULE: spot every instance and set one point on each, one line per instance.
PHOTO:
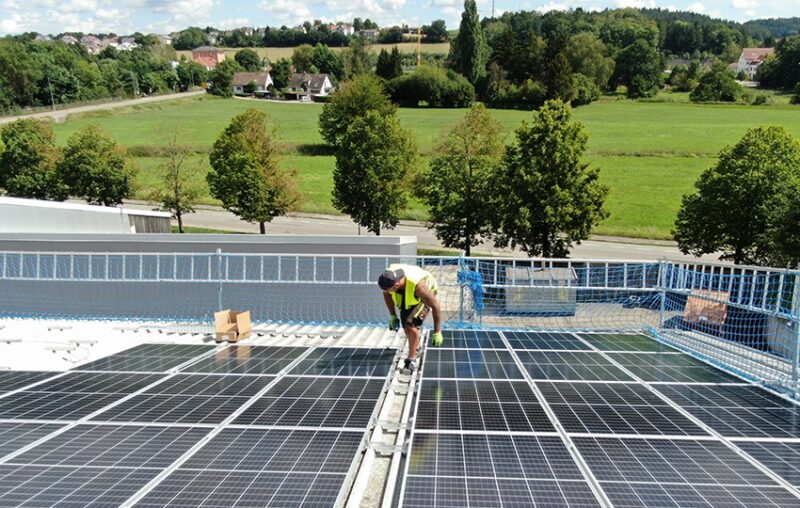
(231, 23)
(552, 6)
(12, 24)
(286, 11)
(697, 7)
(444, 3)
(636, 4)
(744, 4)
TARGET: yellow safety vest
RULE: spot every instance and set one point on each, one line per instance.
(414, 275)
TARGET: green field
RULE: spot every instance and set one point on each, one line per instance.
(276, 53)
(649, 153)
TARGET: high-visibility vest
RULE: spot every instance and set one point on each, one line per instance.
(413, 275)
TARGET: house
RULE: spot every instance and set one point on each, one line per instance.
(306, 87)
(68, 39)
(43, 38)
(127, 43)
(370, 33)
(92, 44)
(165, 39)
(262, 81)
(345, 28)
(751, 58)
(208, 56)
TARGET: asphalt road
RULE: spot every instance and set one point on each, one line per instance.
(318, 224)
(61, 114)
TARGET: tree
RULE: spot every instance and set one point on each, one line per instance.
(588, 55)
(460, 177)
(389, 65)
(736, 207)
(326, 61)
(190, 73)
(469, 51)
(353, 100)
(374, 164)
(558, 80)
(222, 78)
(436, 32)
(717, 85)
(782, 70)
(245, 175)
(303, 58)
(545, 198)
(639, 67)
(28, 159)
(190, 38)
(281, 72)
(248, 60)
(356, 57)
(180, 189)
(95, 169)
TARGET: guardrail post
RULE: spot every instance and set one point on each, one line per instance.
(461, 288)
(662, 265)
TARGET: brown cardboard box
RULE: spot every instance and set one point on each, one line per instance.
(232, 325)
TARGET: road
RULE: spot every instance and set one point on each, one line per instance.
(318, 224)
(60, 114)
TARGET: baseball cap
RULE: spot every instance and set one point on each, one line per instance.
(389, 278)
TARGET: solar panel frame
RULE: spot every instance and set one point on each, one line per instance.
(229, 385)
(346, 361)
(626, 342)
(165, 408)
(254, 360)
(471, 364)
(470, 339)
(56, 406)
(780, 457)
(99, 382)
(13, 380)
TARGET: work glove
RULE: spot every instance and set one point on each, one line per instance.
(437, 339)
(394, 323)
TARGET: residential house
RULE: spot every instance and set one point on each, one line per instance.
(165, 39)
(751, 58)
(345, 28)
(262, 81)
(127, 43)
(208, 56)
(369, 33)
(68, 39)
(43, 37)
(307, 87)
(92, 44)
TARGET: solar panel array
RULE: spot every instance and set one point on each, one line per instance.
(513, 418)
(191, 425)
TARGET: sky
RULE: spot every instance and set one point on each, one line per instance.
(163, 16)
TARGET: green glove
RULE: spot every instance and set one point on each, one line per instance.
(437, 339)
(394, 323)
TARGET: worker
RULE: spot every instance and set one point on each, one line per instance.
(412, 290)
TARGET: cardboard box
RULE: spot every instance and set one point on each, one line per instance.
(232, 325)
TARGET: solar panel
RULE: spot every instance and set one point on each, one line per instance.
(473, 363)
(665, 472)
(738, 411)
(625, 342)
(247, 360)
(16, 379)
(100, 382)
(343, 361)
(51, 486)
(248, 467)
(545, 340)
(114, 446)
(14, 436)
(212, 385)
(672, 368)
(480, 406)
(157, 408)
(54, 405)
(620, 408)
(471, 339)
(782, 458)
(148, 358)
(575, 366)
(455, 470)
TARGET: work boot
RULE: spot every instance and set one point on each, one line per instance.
(409, 366)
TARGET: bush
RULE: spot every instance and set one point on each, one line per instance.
(717, 85)
(796, 97)
(586, 91)
(761, 100)
(529, 95)
(434, 86)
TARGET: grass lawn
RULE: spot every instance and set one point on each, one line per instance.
(276, 53)
(649, 153)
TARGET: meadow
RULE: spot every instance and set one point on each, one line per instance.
(274, 54)
(649, 153)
